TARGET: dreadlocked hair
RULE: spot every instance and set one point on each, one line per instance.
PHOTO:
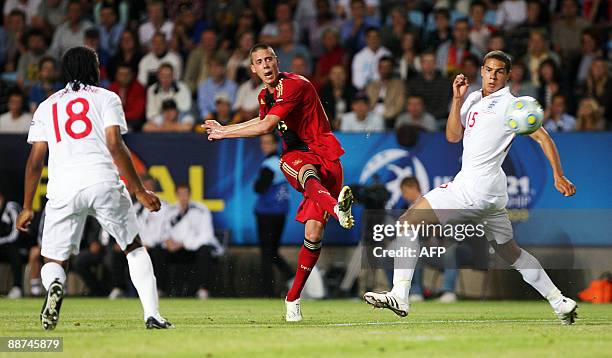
(80, 67)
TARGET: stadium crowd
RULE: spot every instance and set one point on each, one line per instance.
(378, 65)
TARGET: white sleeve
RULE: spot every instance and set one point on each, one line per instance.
(113, 114)
(37, 128)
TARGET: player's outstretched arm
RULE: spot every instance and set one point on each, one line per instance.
(34, 167)
(121, 157)
(454, 128)
(209, 125)
(254, 128)
(563, 185)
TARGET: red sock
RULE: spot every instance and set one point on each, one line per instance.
(315, 190)
(307, 258)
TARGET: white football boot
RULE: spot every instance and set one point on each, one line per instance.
(388, 300)
(565, 309)
(294, 312)
(343, 208)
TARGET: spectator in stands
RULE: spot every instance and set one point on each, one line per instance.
(511, 13)
(216, 83)
(169, 119)
(599, 86)
(288, 48)
(187, 30)
(471, 69)
(567, 29)
(519, 37)
(451, 53)
(148, 66)
(324, 22)
(247, 22)
(387, 94)
(47, 83)
(17, 119)
(538, 51)
(110, 29)
(238, 65)
(354, 29)
(333, 54)
(271, 33)
(589, 51)
(410, 60)
(223, 111)
(432, 87)
(519, 83)
(189, 238)
(365, 63)
(71, 32)
(91, 39)
(49, 15)
(166, 87)
(337, 95)
(9, 249)
(27, 66)
(556, 119)
(480, 31)
(150, 226)
(132, 95)
(157, 23)
(271, 211)
(89, 259)
(13, 44)
(246, 105)
(441, 33)
(391, 36)
(590, 116)
(198, 62)
(550, 82)
(361, 119)
(129, 52)
(299, 66)
(415, 115)
(496, 43)
(223, 16)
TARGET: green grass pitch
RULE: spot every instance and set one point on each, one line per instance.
(333, 328)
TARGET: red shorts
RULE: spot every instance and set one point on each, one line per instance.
(331, 179)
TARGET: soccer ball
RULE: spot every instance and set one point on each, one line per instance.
(524, 115)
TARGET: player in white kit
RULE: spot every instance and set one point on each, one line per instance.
(81, 126)
(478, 192)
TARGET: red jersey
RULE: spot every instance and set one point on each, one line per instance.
(303, 123)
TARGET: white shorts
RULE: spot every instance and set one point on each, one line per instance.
(108, 202)
(454, 203)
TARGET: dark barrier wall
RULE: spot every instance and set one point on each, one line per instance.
(221, 175)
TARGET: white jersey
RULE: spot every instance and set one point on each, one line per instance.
(486, 141)
(73, 125)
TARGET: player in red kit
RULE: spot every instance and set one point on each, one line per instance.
(310, 159)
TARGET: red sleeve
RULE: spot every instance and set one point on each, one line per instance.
(136, 108)
(290, 97)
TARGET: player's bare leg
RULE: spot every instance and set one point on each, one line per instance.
(307, 258)
(143, 278)
(339, 208)
(34, 262)
(533, 273)
(397, 299)
(53, 276)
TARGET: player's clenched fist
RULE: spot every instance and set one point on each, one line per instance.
(460, 86)
(148, 200)
(24, 219)
(564, 186)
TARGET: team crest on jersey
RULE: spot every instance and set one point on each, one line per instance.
(491, 105)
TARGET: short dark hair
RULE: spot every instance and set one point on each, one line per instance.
(168, 104)
(480, 3)
(80, 66)
(166, 65)
(45, 59)
(257, 47)
(386, 58)
(501, 56)
(183, 186)
(92, 33)
(371, 29)
(410, 182)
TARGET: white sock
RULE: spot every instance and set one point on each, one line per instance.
(50, 272)
(534, 274)
(403, 267)
(143, 278)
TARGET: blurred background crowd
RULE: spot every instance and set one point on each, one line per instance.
(377, 65)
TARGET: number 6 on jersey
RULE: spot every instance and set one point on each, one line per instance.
(72, 118)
